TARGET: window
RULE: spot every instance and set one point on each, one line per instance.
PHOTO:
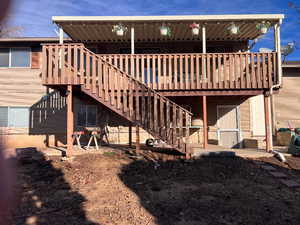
(17, 117)
(87, 116)
(4, 57)
(15, 57)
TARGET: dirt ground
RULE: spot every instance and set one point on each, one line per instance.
(116, 189)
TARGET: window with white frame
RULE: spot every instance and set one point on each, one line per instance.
(87, 116)
(15, 57)
(14, 117)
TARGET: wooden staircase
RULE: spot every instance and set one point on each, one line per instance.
(72, 64)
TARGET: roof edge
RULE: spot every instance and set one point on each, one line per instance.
(226, 17)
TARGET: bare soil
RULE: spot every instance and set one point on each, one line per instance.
(116, 189)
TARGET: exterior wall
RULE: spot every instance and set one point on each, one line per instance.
(287, 102)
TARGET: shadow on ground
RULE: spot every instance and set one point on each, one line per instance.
(214, 191)
(45, 198)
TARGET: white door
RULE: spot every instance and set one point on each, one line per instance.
(228, 126)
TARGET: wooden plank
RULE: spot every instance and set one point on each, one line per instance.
(82, 69)
(50, 65)
(175, 72)
(162, 117)
(269, 58)
(264, 70)
(94, 73)
(203, 77)
(155, 115)
(148, 71)
(242, 67)
(56, 65)
(174, 124)
(214, 72)
(165, 72)
(88, 71)
(186, 72)
(159, 78)
(112, 76)
(70, 121)
(170, 86)
(248, 81)
(100, 79)
(118, 89)
(205, 130)
(130, 105)
(45, 65)
(137, 69)
(132, 67)
(258, 71)
(253, 73)
(69, 64)
(187, 135)
(181, 80)
(106, 80)
(208, 71)
(154, 81)
(75, 63)
(143, 112)
(192, 69)
(137, 101)
(137, 140)
(197, 72)
(168, 130)
(149, 102)
(220, 72)
(143, 69)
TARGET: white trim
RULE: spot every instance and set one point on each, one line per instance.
(132, 40)
(238, 129)
(203, 39)
(230, 17)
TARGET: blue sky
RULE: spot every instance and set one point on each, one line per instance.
(35, 15)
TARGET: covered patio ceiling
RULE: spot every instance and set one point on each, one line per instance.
(146, 28)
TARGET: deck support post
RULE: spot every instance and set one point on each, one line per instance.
(137, 140)
(277, 44)
(61, 36)
(205, 130)
(130, 135)
(268, 126)
(70, 121)
(132, 40)
(203, 39)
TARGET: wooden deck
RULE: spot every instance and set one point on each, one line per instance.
(166, 72)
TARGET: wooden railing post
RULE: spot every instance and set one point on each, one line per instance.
(70, 120)
(205, 131)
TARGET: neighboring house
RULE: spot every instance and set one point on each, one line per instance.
(187, 80)
(287, 103)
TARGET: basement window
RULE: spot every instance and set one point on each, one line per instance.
(15, 57)
(14, 117)
(87, 116)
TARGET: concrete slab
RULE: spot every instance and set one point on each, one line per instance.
(290, 183)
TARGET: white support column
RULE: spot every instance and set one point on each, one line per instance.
(132, 40)
(61, 36)
(203, 39)
(278, 50)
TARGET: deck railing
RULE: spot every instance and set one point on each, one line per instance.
(171, 71)
(200, 71)
(122, 93)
